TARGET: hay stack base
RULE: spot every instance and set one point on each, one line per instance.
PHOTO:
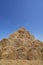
(20, 62)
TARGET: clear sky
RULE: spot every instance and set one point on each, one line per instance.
(21, 13)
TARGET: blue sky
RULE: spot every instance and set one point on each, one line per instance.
(21, 13)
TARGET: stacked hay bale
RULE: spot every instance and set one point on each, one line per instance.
(21, 45)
